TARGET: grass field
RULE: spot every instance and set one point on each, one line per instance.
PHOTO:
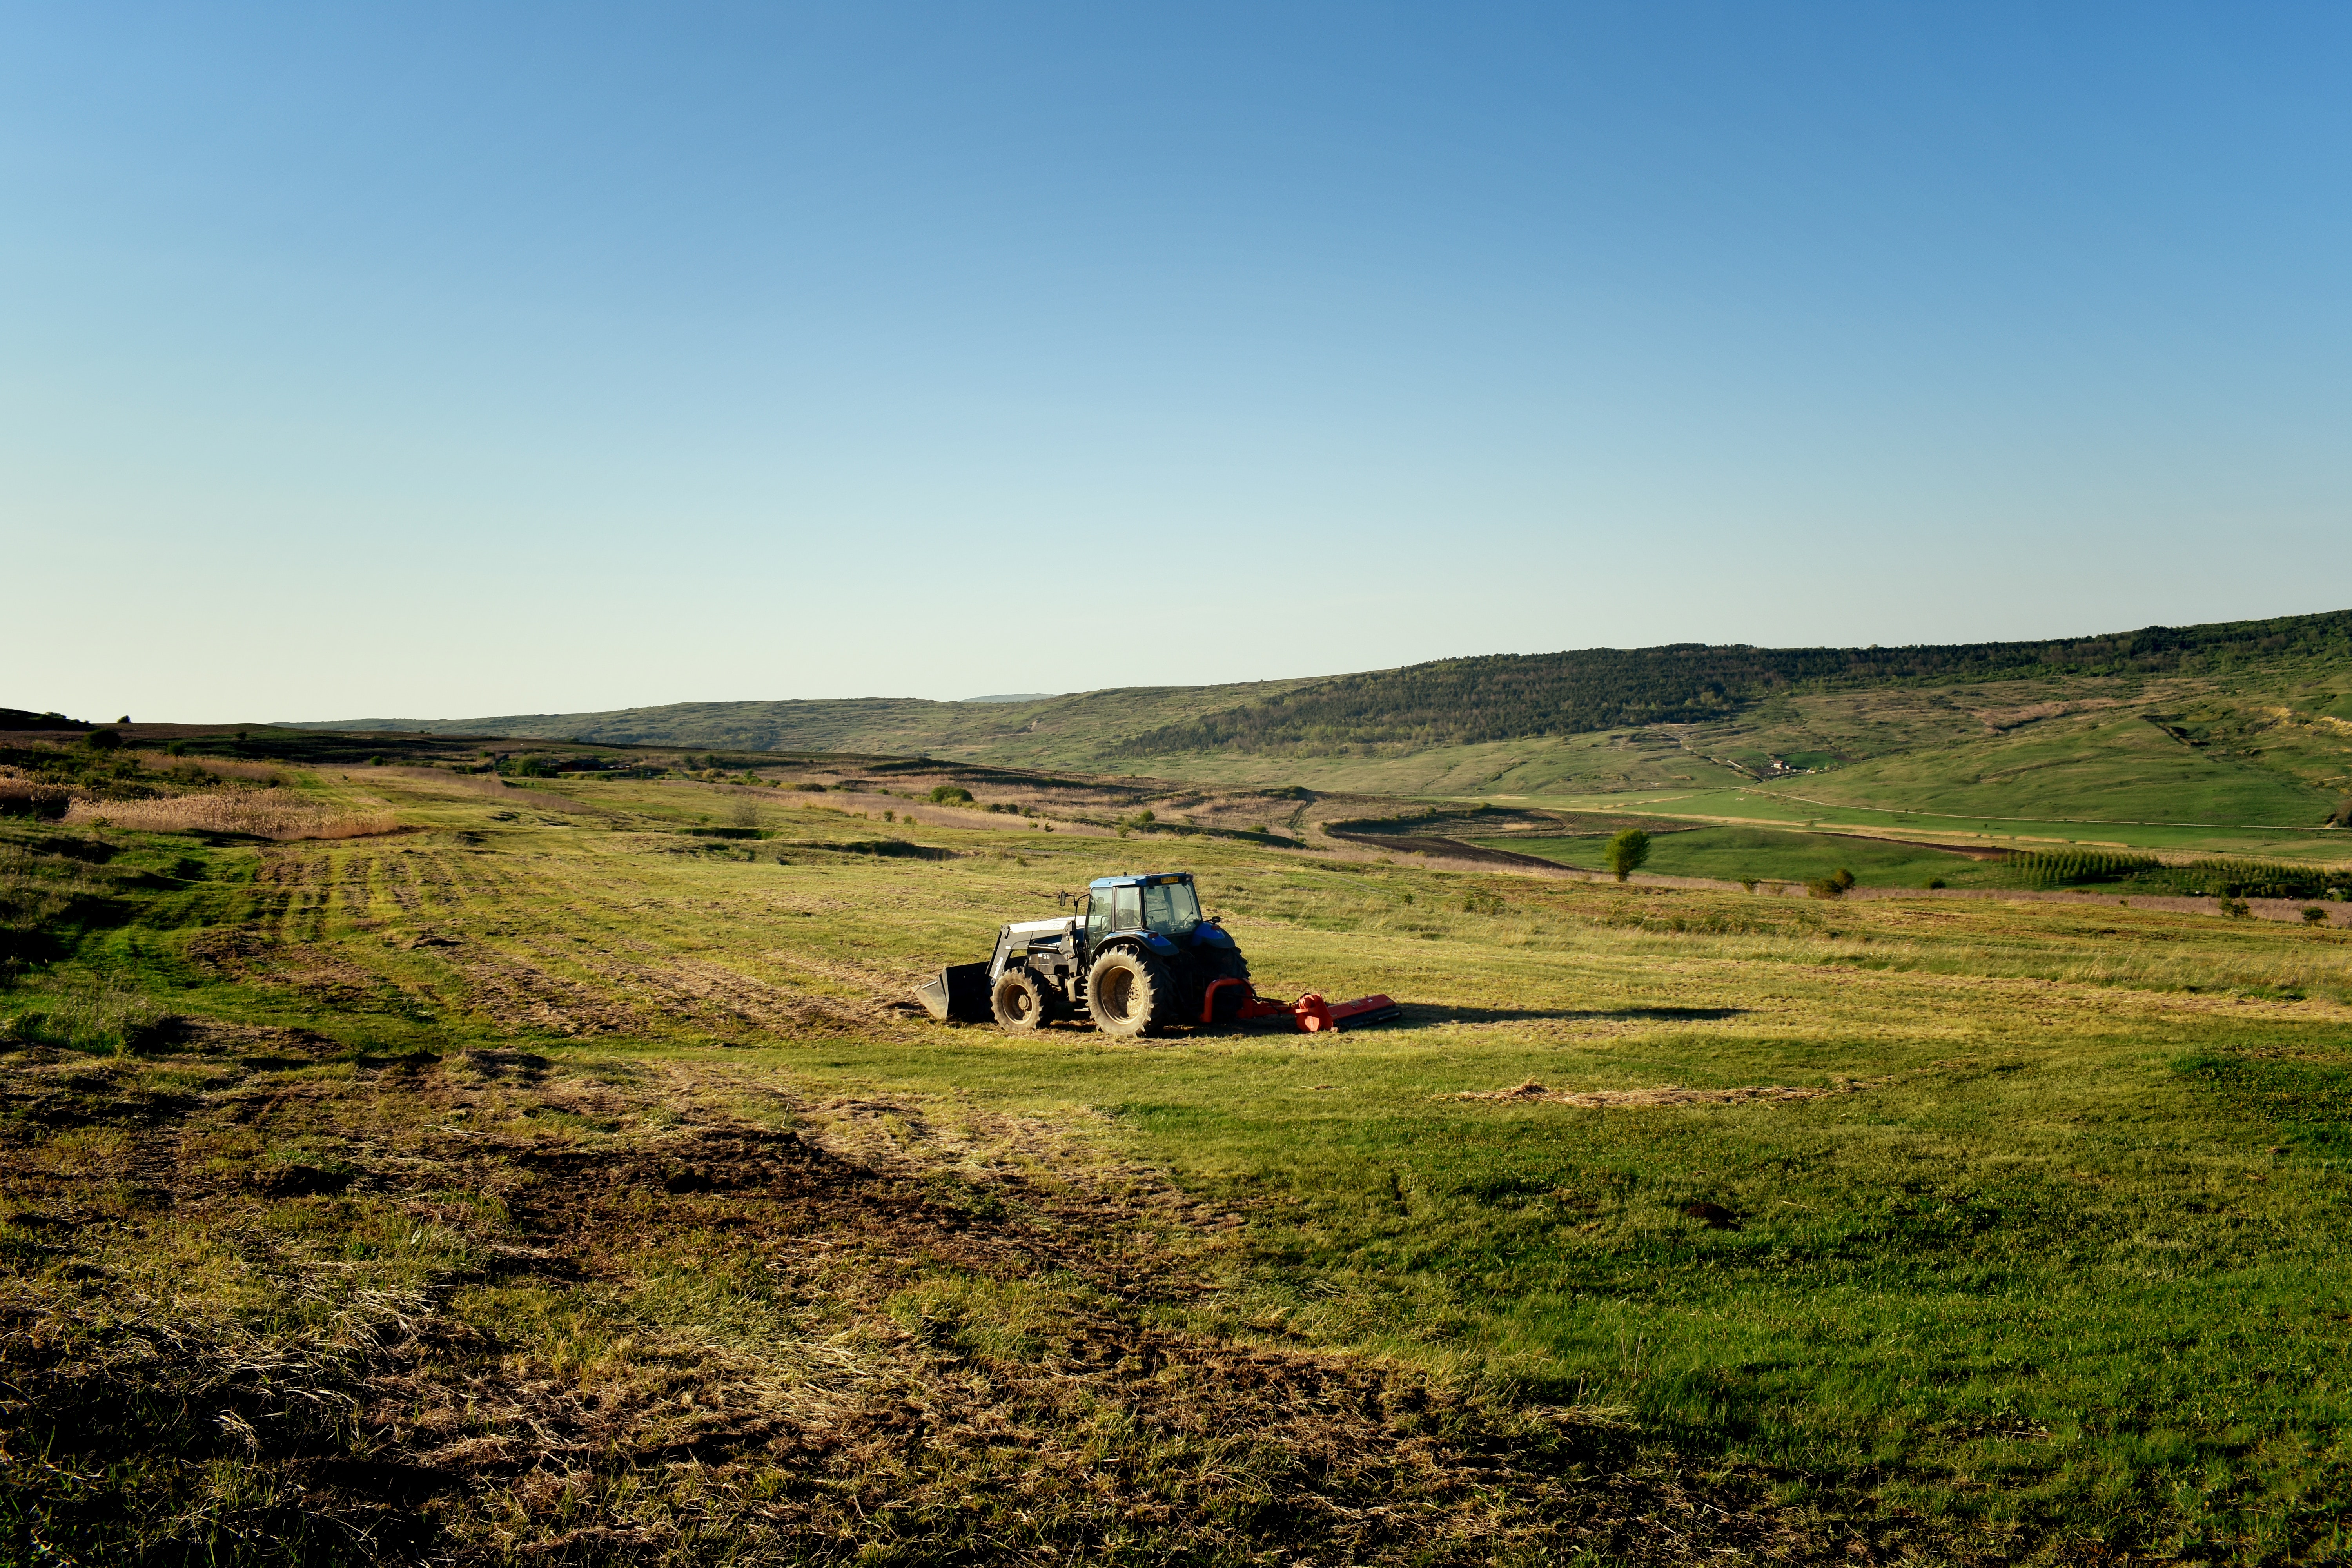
(1785, 808)
(545, 1181)
(1751, 854)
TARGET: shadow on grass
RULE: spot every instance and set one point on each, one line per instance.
(1427, 1015)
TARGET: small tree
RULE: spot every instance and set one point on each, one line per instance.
(2314, 916)
(103, 740)
(1628, 852)
(950, 794)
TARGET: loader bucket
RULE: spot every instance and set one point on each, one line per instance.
(958, 991)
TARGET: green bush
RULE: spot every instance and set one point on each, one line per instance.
(1833, 886)
(1627, 852)
(950, 794)
(103, 739)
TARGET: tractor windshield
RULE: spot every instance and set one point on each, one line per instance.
(1170, 908)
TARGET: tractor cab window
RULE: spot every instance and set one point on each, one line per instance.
(1126, 912)
(1170, 908)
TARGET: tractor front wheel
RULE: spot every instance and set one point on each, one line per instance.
(1130, 993)
(1020, 1000)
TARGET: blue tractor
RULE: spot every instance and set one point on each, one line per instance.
(1137, 957)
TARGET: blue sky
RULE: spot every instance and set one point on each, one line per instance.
(475, 359)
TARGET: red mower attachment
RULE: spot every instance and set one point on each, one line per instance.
(1235, 1001)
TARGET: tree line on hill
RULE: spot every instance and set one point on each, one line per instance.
(1507, 696)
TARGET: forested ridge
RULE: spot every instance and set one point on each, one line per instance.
(1502, 697)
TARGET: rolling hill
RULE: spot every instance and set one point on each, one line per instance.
(2242, 722)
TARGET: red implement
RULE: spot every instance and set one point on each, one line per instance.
(1311, 1014)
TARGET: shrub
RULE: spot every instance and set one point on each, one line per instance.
(1833, 886)
(950, 794)
(1937, 882)
(1748, 883)
(103, 739)
(1627, 852)
(2314, 916)
(2236, 909)
(175, 748)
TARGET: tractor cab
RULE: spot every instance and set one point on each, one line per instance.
(1164, 907)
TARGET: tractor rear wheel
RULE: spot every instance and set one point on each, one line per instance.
(1021, 1001)
(1130, 993)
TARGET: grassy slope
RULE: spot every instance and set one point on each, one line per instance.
(2024, 757)
(1055, 731)
(2066, 1272)
(2268, 746)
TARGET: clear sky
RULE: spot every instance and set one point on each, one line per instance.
(446, 360)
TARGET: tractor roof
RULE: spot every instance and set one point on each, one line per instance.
(1140, 879)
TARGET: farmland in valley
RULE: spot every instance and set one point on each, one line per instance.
(2163, 738)
(563, 1175)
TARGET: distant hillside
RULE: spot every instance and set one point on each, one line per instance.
(1050, 729)
(2245, 722)
(1504, 697)
(1445, 703)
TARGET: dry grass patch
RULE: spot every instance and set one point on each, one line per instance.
(260, 814)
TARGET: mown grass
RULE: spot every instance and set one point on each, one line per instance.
(458, 1123)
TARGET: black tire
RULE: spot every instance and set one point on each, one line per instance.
(1222, 964)
(1021, 1001)
(1130, 993)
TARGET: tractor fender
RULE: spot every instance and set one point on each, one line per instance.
(1149, 941)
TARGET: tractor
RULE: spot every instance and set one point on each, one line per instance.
(1136, 958)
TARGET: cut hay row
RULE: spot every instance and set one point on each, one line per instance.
(261, 814)
(1668, 1094)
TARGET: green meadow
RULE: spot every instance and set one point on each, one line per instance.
(548, 1181)
(1767, 854)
